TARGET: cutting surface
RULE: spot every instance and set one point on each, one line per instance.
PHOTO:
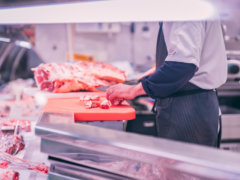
(81, 113)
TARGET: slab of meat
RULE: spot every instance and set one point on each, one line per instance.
(8, 175)
(67, 77)
(103, 71)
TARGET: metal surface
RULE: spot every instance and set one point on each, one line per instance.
(60, 171)
(231, 127)
(117, 125)
(132, 155)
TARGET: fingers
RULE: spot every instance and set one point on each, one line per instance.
(113, 92)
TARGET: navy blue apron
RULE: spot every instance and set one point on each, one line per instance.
(189, 115)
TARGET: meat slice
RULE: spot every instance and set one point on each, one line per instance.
(91, 104)
(90, 97)
(67, 77)
(105, 104)
(94, 101)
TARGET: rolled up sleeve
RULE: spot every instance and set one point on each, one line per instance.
(168, 79)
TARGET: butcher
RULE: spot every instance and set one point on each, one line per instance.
(190, 64)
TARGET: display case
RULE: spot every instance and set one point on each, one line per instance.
(78, 151)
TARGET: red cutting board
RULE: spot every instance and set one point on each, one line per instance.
(81, 113)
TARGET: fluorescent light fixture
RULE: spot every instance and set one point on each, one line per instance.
(110, 11)
(23, 44)
(4, 39)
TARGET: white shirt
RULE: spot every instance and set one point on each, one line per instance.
(199, 43)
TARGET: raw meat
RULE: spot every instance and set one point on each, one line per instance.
(88, 98)
(105, 104)
(17, 163)
(91, 104)
(94, 101)
(103, 71)
(67, 77)
(8, 175)
(12, 144)
(23, 125)
(40, 167)
(3, 164)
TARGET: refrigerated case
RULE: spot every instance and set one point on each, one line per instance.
(78, 151)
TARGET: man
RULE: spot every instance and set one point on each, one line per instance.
(190, 64)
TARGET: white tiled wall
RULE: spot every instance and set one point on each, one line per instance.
(119, 45)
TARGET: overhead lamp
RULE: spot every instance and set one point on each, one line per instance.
(110, 11)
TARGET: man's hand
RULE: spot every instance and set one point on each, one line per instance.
(123, 91)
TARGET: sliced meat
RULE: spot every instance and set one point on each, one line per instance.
(91, 104)
(90, 97)
(105, 104)
(117, 102)
(94, 101)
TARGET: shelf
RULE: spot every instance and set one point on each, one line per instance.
(108, 11)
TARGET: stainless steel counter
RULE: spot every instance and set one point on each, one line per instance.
(78, 150)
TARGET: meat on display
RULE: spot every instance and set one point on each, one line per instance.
(23, 125)
(6, 174)
(11, 144)
(8, 160)
(67, 77)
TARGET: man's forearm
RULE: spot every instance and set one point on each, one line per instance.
(168, 79)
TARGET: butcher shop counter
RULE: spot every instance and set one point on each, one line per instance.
(81, 151)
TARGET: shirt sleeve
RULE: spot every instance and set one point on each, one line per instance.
(184, 41)
(168, 79)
